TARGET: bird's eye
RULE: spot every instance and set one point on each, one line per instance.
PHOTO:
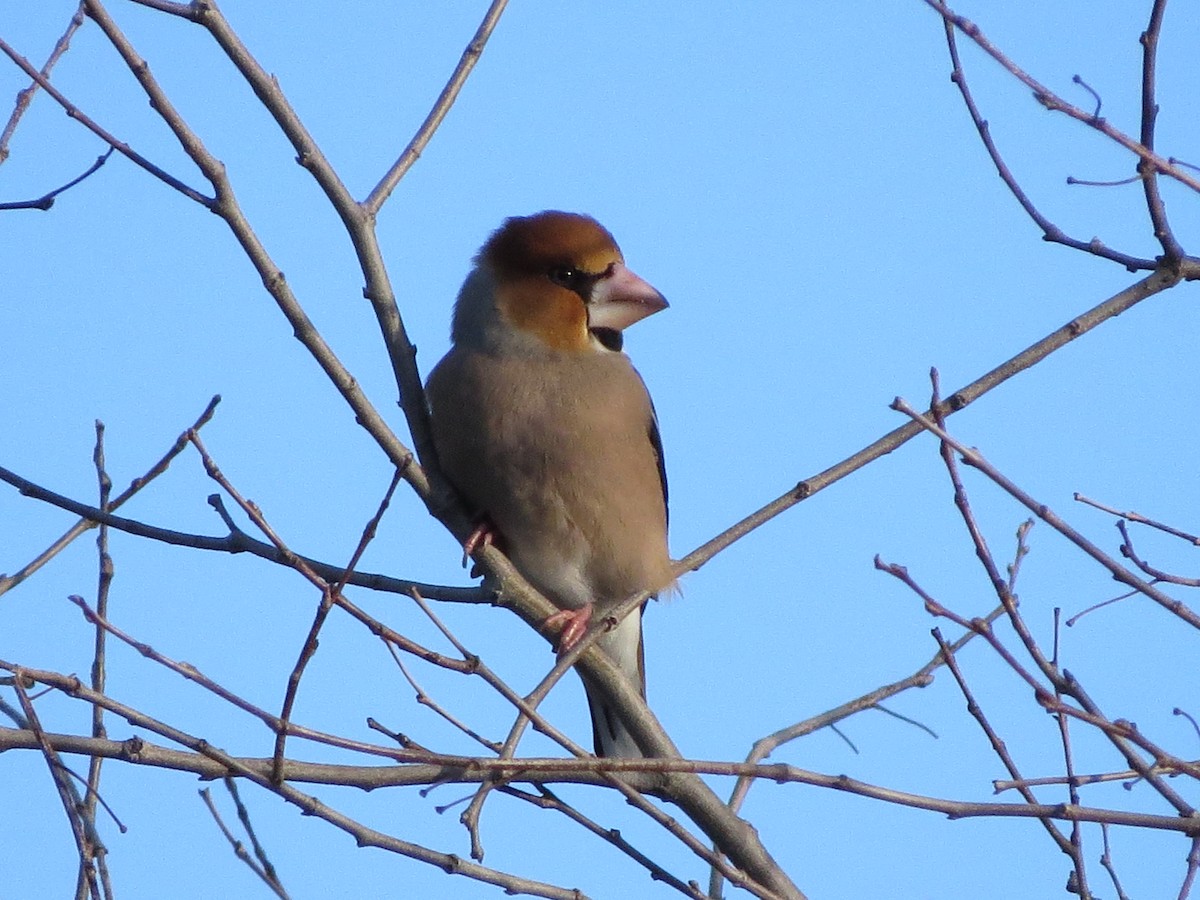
(565, 276)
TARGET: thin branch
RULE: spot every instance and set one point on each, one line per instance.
(546, 799)
(1050, 231)
(764, 747)
(1163, 768)
(1123, 735)
(1043, 512)
(1055, 103)
(307, 804)
(7, 582)
(1140, 519)
(193, 674)
(239, 849)
(445, 100)
(46, 201)
(120, 146)
(237, 541)
(999, 747)
(99, 662)
(182, 10)
(328, 594)
(1154, 201)
(25, 97)
(1079, 878)
(1157, 574)
(1154, 283)
(243, 814)
(226, 206)
(1106, 862)
(1193, 865)
(360, 228)
(86, 839)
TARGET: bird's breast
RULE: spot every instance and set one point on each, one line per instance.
(556, 451)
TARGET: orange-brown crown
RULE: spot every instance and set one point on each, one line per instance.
(532, 245)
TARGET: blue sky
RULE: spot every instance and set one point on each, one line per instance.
(803, 184)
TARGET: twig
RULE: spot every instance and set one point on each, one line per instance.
(1157, 574)
(1164, 768)
(422, 697)
(1140, 519)
(1147, 287)
(207, 762)
(239, 849)
(25, 97)
(86, 839)
(120, 146)
(1106, 862)
(1003, 588)
(1095, 96)
(1078, 880)
(46, 201)
(1119, 572)
(225, 205)
(7, 582)
(1122, 734)
(764, 747)
(360, 227)
(999, 747)
(193, 674)
(546, 799)
(329, 593)
(237, 541)
(1050, 231)
(99, 658)
(445, 100)
(1149, 172)
(308, 805)
(188, 11)
(1193, 864)
(1054, 103)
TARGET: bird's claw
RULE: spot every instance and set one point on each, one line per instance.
(574, 624)
(482, 535)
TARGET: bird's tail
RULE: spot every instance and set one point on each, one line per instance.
(624, 645)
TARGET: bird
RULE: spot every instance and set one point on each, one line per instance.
(545, 429)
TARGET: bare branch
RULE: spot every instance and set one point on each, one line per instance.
(1055, 103)
(1140, 519)
(237, 541)
(46, 201)
(99, 664)
(86, 839)
(1154, 201)
(307, 804)
(1050, 231)
(445, 100)
(120, 146)
(1119, 572)
(25, 97)
(239, 849)
(1027, 358)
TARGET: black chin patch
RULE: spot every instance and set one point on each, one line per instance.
(610, 338)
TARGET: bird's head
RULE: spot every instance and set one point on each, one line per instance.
(556, 277)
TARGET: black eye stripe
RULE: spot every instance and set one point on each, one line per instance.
(573, 279)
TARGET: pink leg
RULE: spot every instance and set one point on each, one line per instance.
(574, 623)
(483, 534)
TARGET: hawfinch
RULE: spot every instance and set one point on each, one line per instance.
(546, 430)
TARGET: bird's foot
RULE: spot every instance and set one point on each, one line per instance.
(574, 624)
(482, 535)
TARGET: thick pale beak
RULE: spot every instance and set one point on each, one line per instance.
(620, 298)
